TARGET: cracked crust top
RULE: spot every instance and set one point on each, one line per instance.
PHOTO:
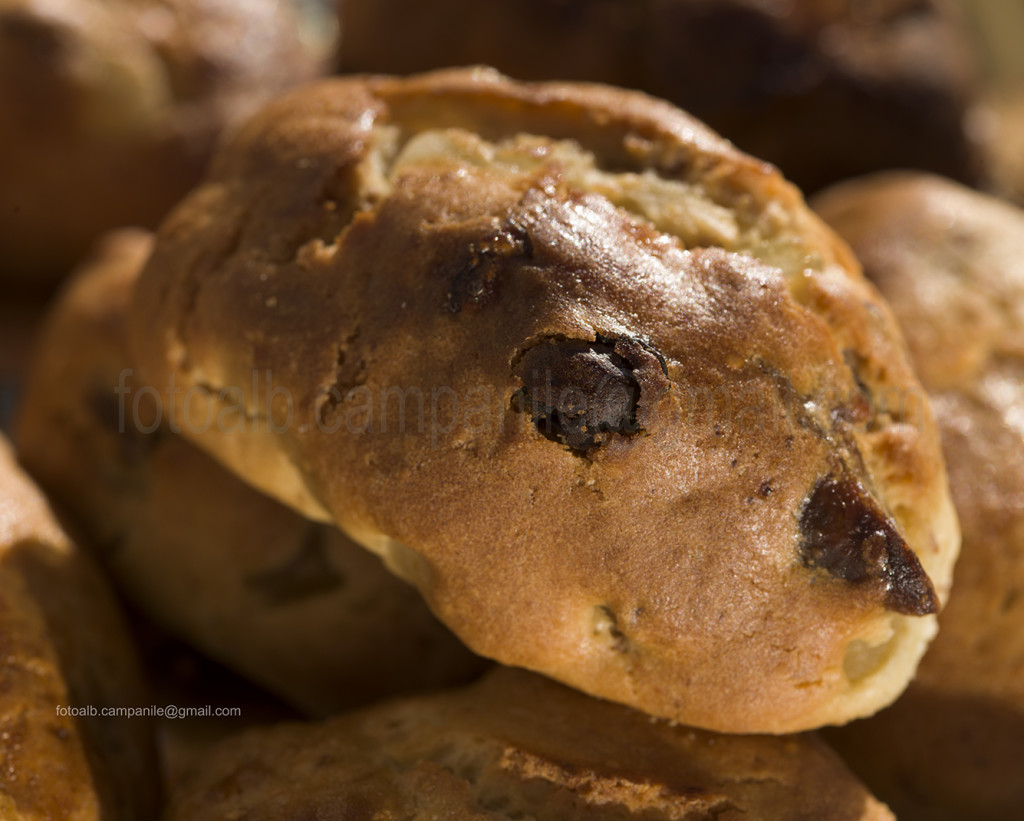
(825, 89)
(517, 746)
(597, 383)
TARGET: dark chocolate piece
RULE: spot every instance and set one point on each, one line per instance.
(848, 534)
(578, 392)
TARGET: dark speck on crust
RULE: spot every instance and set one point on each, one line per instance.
(475, 283)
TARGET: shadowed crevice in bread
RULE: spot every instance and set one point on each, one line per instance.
(405, 263)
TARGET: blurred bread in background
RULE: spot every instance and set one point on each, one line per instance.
(824, 89)
(999, 123)
(951, 263)
(111, 107)
(997, 120)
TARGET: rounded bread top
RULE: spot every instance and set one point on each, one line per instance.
(600, 385)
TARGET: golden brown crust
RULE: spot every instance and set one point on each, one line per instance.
(516, 746)
(293, 604)
(370, 245)
(63, 645)
(951, 263)
(825, 89)
(111, 110)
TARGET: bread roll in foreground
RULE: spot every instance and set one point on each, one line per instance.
(599, 385)
(951, 262)
(293, 604)
(64, 646)
(516, 746)
(111, 108)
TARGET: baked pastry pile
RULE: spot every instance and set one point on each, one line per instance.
(434, 377)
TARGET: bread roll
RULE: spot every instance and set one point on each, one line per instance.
(293, 604)
(110, 109)
(599, 385)
(951, 262)
(516, 746)
(66, 658)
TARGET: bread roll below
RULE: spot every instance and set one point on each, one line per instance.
(516, 746)
(601, 386)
